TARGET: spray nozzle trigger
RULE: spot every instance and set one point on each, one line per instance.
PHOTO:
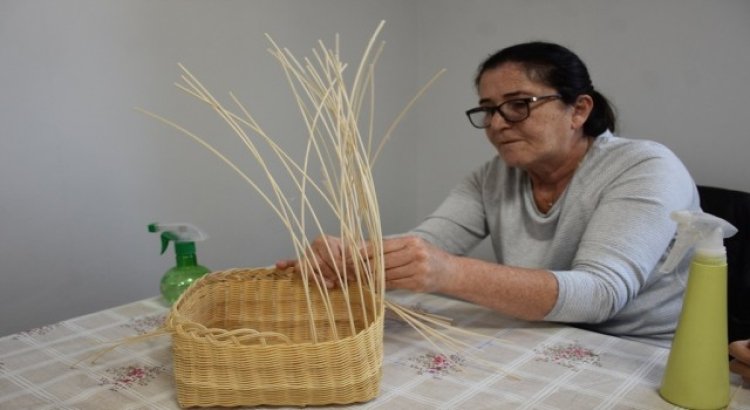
(696, 228)
(177, 232)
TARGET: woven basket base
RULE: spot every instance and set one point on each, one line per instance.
(228, 352)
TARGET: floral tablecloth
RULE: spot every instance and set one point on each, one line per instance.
(533, 365)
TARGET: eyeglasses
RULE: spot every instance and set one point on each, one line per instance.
(515, 110)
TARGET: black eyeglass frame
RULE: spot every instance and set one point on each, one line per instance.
(490, 111)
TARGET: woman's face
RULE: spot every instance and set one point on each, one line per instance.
(543, 140)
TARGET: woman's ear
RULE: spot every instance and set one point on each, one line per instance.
(581, 110)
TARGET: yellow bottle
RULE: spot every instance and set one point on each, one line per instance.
(697, 372)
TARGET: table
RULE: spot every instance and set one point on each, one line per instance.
(554, 366)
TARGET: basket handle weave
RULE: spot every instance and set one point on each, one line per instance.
(237, 336)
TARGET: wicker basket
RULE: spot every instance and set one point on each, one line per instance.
(243, 337)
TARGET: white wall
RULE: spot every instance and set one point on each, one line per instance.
(677, 71)
(81, 173)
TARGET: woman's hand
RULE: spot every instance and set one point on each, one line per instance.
(414, 264)
(410, 263)
(740, 351)
(326, 253)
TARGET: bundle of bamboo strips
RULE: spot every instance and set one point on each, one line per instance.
(258, 336)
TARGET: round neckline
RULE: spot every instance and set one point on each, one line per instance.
(529, 190)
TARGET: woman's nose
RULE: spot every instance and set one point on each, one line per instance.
(496, 120)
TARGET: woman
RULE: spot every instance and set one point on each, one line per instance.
(578, 218)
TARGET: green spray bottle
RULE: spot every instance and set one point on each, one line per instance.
(697, 372)
(187, 270)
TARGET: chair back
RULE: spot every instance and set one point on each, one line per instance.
(734, 207)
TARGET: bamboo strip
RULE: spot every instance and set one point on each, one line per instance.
(215, 320)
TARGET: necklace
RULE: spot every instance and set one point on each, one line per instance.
(550, 202)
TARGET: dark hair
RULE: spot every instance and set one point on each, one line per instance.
(561, 69)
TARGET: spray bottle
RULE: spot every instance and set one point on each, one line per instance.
(187, 270)
(697, 372)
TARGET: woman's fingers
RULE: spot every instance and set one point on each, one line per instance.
(316, 263)
(286, 264)
(332, 260)
(736, 366)
(740, 350)
(406, 260)
(328, 249)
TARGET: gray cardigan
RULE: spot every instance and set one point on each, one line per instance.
(604, 239)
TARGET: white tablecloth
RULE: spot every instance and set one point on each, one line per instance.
(552, 366)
